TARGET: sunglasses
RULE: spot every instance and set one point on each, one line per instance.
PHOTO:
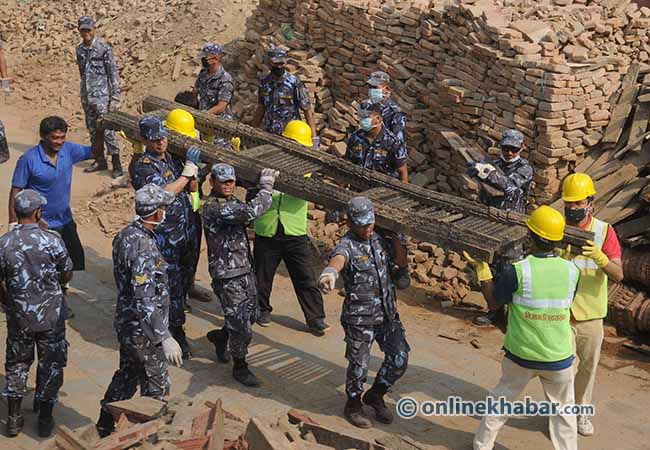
(507, 149)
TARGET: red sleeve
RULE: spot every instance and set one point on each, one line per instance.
(611, 246)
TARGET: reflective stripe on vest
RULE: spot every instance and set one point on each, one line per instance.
(600, 233)
(526, 297)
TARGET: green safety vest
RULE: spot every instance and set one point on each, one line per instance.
(289, 210)
(538, 317)
(591, 298)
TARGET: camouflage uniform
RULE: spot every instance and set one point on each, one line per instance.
(394, 119)
(385, 154)
(282, 99)
(370, 313)
(4, 147)
(172, 234)
(230, 263)
(100, 88)
(214, 89)
(515, 184)
(141, 315)
(32, 263)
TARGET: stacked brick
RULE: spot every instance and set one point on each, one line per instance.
(476, 67)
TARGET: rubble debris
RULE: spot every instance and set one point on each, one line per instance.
(629, 309)
(636, 266)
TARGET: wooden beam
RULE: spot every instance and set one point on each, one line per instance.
(621, 199)
(623, 107)
(633, 227)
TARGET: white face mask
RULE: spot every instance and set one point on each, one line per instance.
(150, 222)
(515, 159)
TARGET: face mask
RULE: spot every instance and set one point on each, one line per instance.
(575, 215)
(366, 124)
(278, 71)
(376, 95)
(151, 222)
(510, 161)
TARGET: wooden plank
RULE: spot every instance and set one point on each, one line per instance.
(127, 438)
(138, 409)
(633, 227)
(216, 427)
(629, 210)
(615, 180)
(621, 199)
(622, 109)
(589, 160)
(335, 439)
(177, 67)
(66, 439)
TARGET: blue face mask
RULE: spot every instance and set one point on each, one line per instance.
(376, 95)
(366, 123)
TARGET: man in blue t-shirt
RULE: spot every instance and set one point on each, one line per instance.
(47, 168)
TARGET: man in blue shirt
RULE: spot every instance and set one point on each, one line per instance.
(47, 169)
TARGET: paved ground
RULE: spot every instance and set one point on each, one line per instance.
(302, 371)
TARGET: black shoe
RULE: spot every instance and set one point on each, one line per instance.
(264, 320)
(98, 165)
(242, 374)
(15, 420)
(45, 419)
(117, 167)
(179, 334)
(353, 411)
(220, 340)
(318, 327)
(375, 399)
(105, 424)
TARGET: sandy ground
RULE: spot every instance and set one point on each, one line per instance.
(302, 371)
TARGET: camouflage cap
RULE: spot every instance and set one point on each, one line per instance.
(368, 106)
(211, 49)
(152, 128)
(28, 200)
(378, 78)
(512, 138)
(276, 54)
(86, 23)
(150, 197)
(223, 172)
(360, 211)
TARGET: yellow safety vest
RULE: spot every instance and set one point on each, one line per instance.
(591, 299)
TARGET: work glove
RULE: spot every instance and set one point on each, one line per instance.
(592, 251)
(267, 179)
(327, 280)
(193, 154)
(315, 143)
(484, 170)
(471, 169)
(172, 351)
(13, 225)
(564, 253)
(482, 268)
(191, 170)
(235, 143)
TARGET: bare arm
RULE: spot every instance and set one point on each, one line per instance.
(12, 203)
(309, 118)
(403, 174)
(218, 108)
(337, 262)
(66, 277)
(259, 115)
(614, 269)
(177, 186)
(486, 289)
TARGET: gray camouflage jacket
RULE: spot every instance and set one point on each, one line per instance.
(100, 82)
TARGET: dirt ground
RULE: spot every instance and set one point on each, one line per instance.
(299, 370)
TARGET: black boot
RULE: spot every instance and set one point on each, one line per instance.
(353, 411)
(117, 167)
(45, 419)
(375, 399)
(99, 164)
(105, 424)
(220, 340)
(14, 419)
(179, 334)
(241, 373)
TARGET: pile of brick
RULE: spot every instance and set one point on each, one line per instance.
(476, 67)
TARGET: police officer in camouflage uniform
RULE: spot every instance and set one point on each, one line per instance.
(100, 90)
(157, 166)
(4, 147)
(379, 91)
(230, 262)
(214, 85)
(281, 98)
(34, 263)
(374, 146)
(514, 178)
(142, 310)
(372, 267)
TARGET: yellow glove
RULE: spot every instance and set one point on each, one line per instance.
(591, 251)
(564, 253)
(482, 268)
(236, 143)
(195, 200)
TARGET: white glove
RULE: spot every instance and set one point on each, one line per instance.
(327, 280)
(267, 179)
(172, 351)
(315, 143)
(190, 170)
(484, 170)
(13, 225)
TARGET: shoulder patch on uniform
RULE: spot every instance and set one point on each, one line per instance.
(361, 258)
(141, 279)
(146, 160)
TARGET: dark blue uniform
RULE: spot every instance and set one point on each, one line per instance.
(515, 184)
(385, 154)
(394, 119)
(283, 99)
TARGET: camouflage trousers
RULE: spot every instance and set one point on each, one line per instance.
(359, 339)
(93, 112)
(52, 350)
(141, 364)
(4, 147)
(238, 297)
(179, 270)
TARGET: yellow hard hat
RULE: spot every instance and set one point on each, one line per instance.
(299, 131)
(547, 223)
(577, 186)
(182, 122)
